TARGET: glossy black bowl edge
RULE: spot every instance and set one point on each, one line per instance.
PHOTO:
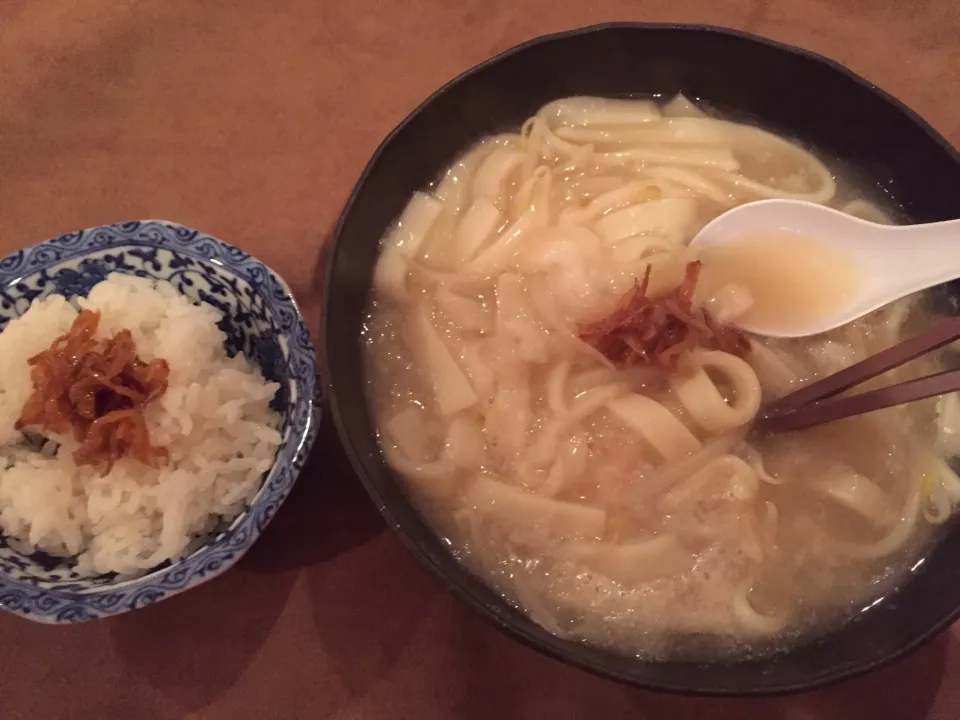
(467, 586)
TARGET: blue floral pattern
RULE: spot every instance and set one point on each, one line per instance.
(261, 319)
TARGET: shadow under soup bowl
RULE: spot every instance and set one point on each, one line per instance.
(565, 404)
(158, 401)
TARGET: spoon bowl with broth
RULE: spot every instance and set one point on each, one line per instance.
(789, 268)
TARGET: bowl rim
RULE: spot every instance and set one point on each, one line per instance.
(457, 583)
(62, 602)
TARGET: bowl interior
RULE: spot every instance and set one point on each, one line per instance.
(252, 322)
(842, 117)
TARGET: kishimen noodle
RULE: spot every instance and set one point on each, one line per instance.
(567, 405)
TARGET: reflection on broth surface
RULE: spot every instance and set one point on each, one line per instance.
(553, 380)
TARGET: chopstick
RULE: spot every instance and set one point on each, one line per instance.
(817, 403)
(837, 408)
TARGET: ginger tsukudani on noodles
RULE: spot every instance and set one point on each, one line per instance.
(658, 331)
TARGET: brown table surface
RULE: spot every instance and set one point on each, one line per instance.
(251, 120)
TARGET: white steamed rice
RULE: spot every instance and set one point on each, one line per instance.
(214, 419)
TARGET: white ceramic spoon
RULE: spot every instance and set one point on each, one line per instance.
(896, 260)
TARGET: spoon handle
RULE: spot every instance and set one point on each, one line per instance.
(933, 256)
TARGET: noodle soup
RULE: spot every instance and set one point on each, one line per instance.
(570, 407)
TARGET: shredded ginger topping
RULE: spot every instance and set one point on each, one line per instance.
(659, 331)
(99, 388)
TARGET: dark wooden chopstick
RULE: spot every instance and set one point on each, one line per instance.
(817, 403)
(943, 333)
(836, 408)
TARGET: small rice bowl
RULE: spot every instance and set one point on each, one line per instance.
(214, 419)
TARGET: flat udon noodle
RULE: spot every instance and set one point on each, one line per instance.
(528, 235)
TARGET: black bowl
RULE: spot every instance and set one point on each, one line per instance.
(795, 92)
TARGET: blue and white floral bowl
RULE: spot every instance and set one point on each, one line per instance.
(261, 318)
